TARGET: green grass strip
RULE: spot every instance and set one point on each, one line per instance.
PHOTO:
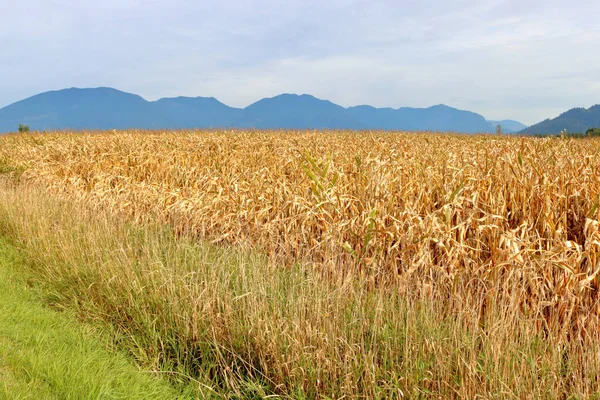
(46, 354)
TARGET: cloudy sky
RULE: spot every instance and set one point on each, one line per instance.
(519, 59)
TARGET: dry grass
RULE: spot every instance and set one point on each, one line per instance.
(497, 235)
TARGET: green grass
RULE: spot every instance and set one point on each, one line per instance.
(46, 354)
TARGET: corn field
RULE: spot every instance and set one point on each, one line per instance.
(468, 220)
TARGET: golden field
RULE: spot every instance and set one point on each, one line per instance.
(491, 231)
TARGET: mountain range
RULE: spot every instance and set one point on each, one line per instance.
(575, 120)
(107, 108)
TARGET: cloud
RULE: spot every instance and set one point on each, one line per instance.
(502, 58)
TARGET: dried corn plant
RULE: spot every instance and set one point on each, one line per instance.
(466, 219)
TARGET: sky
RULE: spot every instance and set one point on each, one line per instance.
(526, 60)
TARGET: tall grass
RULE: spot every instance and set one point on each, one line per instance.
(355, 265)
(45, 355)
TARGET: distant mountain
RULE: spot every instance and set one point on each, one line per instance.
(101, 108)
(436, 118)
(190, 112)
(507, 125)
(106, 108)
(575, 120)
(297, 112)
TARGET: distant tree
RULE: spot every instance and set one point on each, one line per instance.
(23, 128)
(499, 129)
(593, 132)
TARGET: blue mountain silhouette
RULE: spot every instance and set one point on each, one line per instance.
(107, 108)
(574, 120)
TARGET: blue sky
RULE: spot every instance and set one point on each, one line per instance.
(524, 60)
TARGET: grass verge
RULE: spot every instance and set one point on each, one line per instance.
(45, 354)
